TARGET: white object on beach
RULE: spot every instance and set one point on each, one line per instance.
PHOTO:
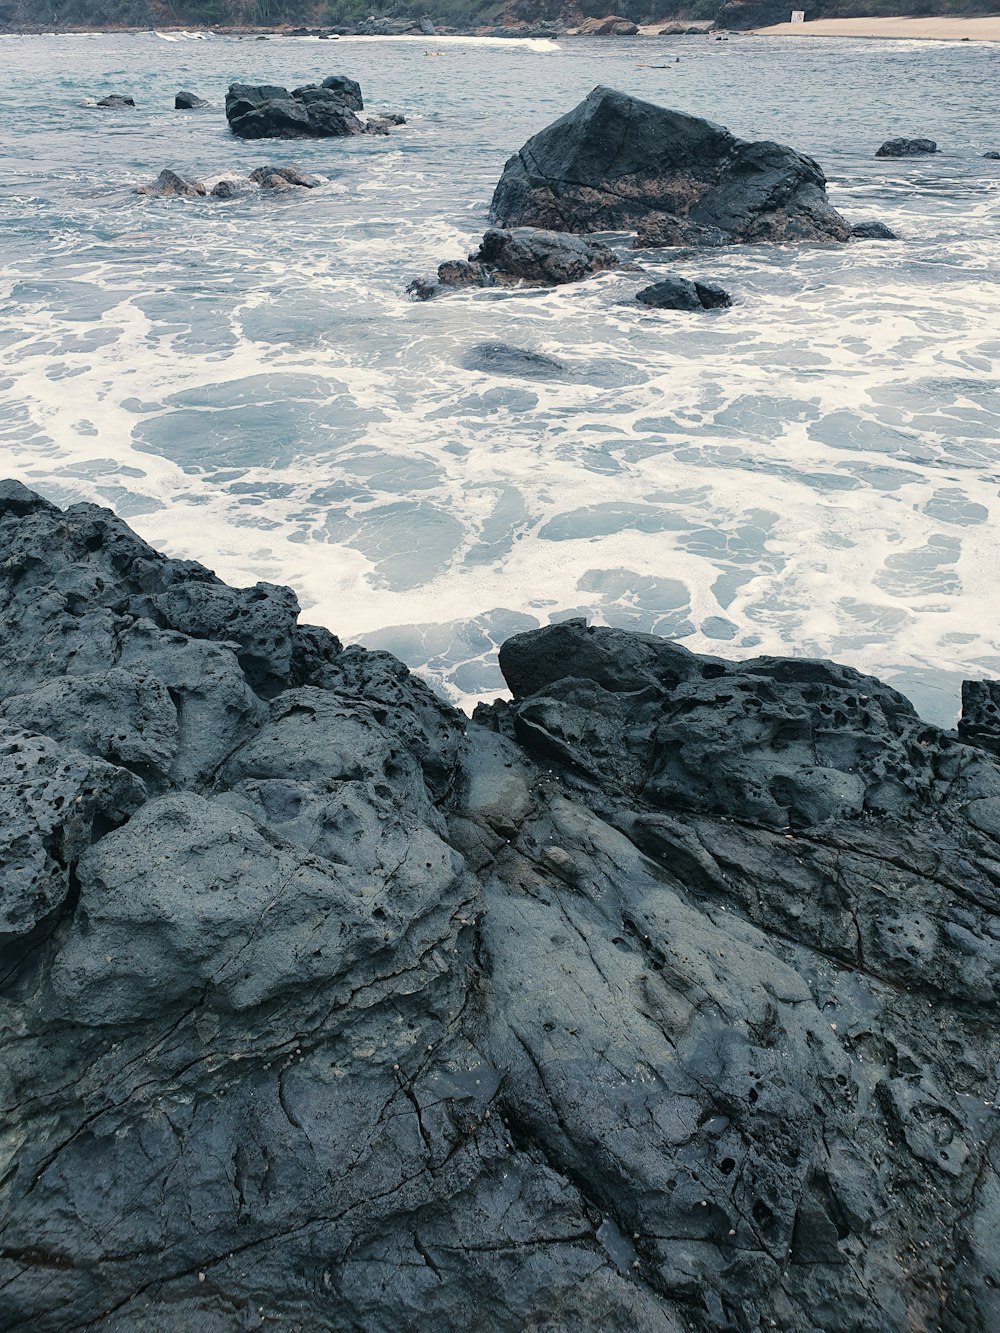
(798, 16)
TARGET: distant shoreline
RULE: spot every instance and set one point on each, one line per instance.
(939, 29)
(982, 28)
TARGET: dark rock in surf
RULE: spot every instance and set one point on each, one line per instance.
(313, 111)
(872, 231)
(230, 189)
(186, 101)
(169, 184)
(992, 155)
(274, 177)
(616, 163)
(906, 148)
(117, 102)
(526, 257)
(676, 293)
(676, 975)
(348, 90)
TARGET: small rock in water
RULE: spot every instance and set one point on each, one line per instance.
(288, 175)
(169, 184)
(993, 155)
(185, 101)
(229, 189)
(906, 147)
(675, 293)
(117, 101)
(873, 231)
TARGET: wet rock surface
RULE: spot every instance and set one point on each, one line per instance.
(906, 148)
(523, 257)
(872, 231)
(171, 185)
(675, 293)
(117, 101)
(662, 996)
(616, 163)
(188, 101)
(314, 111)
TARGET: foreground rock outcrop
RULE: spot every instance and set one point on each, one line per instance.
(663, 996)
(615, 163)
(523, 257)
(315, 111)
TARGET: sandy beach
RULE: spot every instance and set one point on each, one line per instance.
(985, 29)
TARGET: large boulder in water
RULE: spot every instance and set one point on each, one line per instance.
(615, 163)
(612, 26)
(314, 111)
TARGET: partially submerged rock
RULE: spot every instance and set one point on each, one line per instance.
(872, 231)
(906, 148)
(663, 996)
(676, 293)
(615, 163)
(314, 111)
(117, 101)
(992, 155)
(275, 177)
(187, 101)
(169, 184)
(524, 257)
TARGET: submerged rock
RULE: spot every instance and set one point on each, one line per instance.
(186, 101)
(117, 101)
(616, 163)
(676, 293)
(663, 996)
(906, 147)
(524, 257)
(169, 184)
(268, 111)
(872, 231)
(496, 358)
(992, 155)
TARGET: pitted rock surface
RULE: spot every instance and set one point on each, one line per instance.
(662, 996)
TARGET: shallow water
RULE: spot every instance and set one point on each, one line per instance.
(813, 472)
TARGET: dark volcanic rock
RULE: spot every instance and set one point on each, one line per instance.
(185, 101)
(169, 184)
(992, 155)
(873, 231)
(315, 111)
(906, 147)
(346, 89)
(524, 257)
(615, 163)
(230, 189)
(662, 997)
(117, 101)
(288, 175)
(675, 293)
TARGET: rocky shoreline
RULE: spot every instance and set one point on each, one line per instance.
(662, 995)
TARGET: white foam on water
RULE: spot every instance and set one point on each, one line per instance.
(813, 471)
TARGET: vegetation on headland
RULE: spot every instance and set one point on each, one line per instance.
(56, 15)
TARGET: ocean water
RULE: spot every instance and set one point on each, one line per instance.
(815, 471)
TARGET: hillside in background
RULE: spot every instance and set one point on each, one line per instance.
(46, 15)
